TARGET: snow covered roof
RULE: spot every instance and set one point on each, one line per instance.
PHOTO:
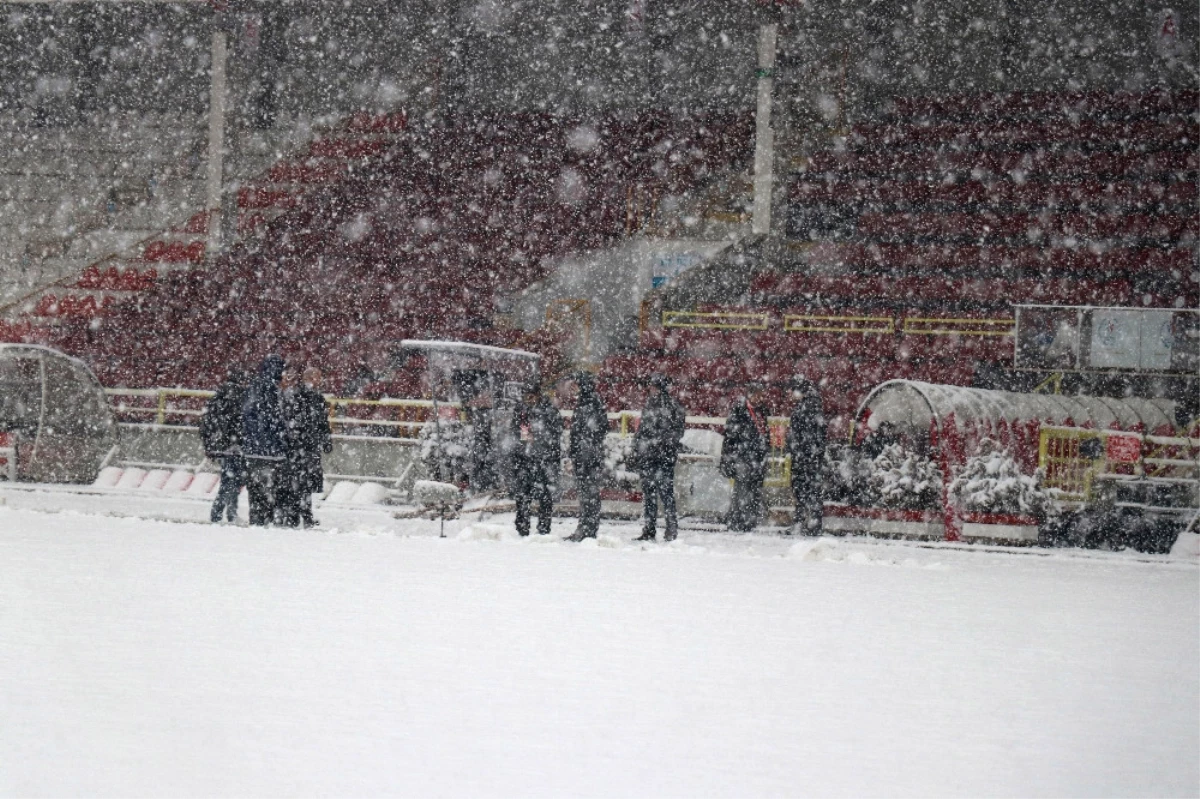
(468, 350)
(914, 403)
(27, 350)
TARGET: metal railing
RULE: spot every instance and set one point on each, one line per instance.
(716, 320)
(1073, 466)
(807, 323)
(391, 418)
(402, 419)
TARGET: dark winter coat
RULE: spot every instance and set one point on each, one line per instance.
(806, 435)
(308, 437)
(264, 433)
(659, 435)
(536, 444)
(221, 424)
(745, 443)
(588, 429)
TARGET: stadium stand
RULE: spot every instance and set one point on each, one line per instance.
(914, 235)
(908, 240)
(377, 232)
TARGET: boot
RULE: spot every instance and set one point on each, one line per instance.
(670, 535)
(647, 535)
(580, 535)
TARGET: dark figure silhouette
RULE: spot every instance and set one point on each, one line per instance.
(264, 438)
(655, 449)
(589, 426)
(806, 446)
(536, 451)
(221, 432)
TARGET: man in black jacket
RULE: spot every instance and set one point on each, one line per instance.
(535, 447)
(264, 438)
(806, 446)
(308, 437)
(221, 432)
(655, 449)
(744, 460)
(589, 426)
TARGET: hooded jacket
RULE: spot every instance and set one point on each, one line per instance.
(264, 432)
(660, 433)
(589, 426)
(221, 425)
(806, 433)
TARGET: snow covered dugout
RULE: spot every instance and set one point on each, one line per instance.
(959, 418)
(55, 423)
(950, 422)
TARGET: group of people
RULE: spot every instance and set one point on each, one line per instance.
(535, 453)
(269, 433)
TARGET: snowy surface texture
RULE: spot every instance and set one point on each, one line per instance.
(991, 482)
(902, 479)
(147, 657)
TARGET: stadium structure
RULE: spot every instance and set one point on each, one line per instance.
(724, 192)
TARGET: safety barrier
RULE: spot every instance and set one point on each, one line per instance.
(402, 419)
(716, 320)
(934, 326)
(806, 323)
(826, 323)
(1073, 459)
(1067, 463)
(395, 418)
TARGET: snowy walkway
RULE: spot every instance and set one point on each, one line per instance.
(142, 657)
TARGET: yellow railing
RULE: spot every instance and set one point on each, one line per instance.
(1073, 459)
(805, 323)
(716, 320)
(1063, 459)
(927, 326)
(159, 406)
(397, 418)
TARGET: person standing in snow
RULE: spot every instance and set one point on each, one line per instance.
(308, 436)
(806, 446)
(744, 460)
(589, 426)
(535, 447)
(264, 438)
(221, 432)
(656, 447)
(316, 439)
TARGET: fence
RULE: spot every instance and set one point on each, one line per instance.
(1074, 459)
(394, 418)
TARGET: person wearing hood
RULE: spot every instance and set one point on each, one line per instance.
(308, 437)
(806, 446)
(264, 438)
(589, 426)
(744, 460)
(535, 449)
(656, 446)
(221, 433)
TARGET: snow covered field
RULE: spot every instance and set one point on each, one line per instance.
(147, 657)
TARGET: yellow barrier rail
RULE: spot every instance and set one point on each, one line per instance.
(929, 326)
(1073, 459)
(716, 320)
(1065, 462)
(400, 418)
(804, 323)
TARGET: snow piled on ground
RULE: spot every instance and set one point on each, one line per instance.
(146, 657)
